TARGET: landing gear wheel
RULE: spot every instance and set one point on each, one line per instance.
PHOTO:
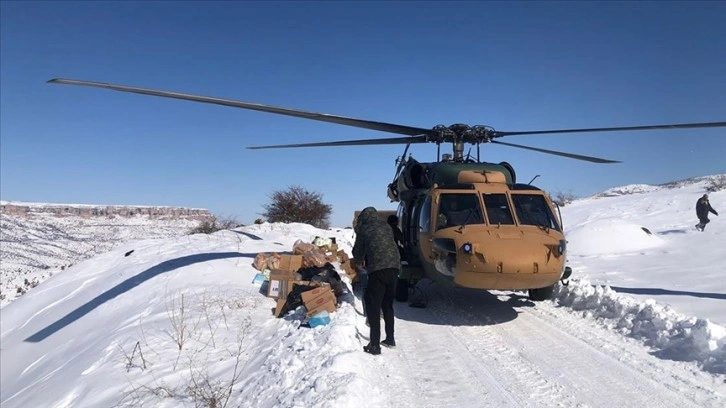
(541, 294)
(402, 290)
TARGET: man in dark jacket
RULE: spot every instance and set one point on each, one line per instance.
(375, 250)
(703, 207)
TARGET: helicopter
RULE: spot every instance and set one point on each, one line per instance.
(465, 222)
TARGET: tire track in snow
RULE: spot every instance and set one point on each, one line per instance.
(514, 374)
(674, 384)
(436, 367)
(564, 360)
(428, 361)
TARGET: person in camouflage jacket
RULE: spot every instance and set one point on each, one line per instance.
(376, 251)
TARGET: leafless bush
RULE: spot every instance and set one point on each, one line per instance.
(181, 325)
(214, 224)
(716, 183)
(198, 386)
(130, 359)
(561, 198)
(298, 205)
(210, 393)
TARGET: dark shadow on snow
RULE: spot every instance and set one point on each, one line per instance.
(248, 235)
(454, 306)
(674, 231)
(127, 285)
(656, 291)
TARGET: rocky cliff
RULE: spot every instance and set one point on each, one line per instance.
(86, 211)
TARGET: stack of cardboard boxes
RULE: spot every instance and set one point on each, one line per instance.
(283, 276)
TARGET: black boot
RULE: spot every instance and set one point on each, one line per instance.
(372, 350)
(390, 343)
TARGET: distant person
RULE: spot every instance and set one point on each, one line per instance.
(375, 250)
(703, 207)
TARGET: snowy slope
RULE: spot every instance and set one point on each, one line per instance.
(639, 325)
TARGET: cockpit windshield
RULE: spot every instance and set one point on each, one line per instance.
(498, 209)
(458, 209)
(532, 209)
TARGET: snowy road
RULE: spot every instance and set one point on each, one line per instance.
(501, 350)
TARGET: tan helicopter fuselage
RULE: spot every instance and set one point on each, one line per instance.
(501, 244)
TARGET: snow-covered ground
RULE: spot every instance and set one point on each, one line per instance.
(36, 246)
(178, 322)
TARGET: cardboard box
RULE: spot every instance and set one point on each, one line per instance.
(309, 295)
(280, 304)
(328, 305)
(343, 257)
(283, 275)
(273, 289)
(280, 288)
(290, 263)
(350, 270)
(321, 298)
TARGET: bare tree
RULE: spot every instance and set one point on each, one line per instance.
(561, 198)
(716, 183)
(214, 224)
(298, 205)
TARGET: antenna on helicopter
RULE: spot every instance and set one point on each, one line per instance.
(401, 160)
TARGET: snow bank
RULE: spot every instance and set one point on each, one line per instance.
(671, 334)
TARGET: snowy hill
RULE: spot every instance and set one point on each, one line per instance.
(38, 240)
(178, 322)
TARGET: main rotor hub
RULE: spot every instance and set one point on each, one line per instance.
(459, 134)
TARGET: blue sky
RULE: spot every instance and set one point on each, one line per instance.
(512, 66)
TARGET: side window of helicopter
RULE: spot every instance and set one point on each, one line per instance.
(424, 218)
(458, 209)
(402, 214)
(532, 209)
(498, 209)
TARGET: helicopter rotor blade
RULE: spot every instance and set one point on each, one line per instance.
(614, 129)
(563, 154)
(362, 142)
(323, 117)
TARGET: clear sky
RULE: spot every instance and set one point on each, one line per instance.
(512, 66)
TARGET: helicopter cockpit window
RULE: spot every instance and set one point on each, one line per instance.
(458, 209)
(532, 209)
(498, 209)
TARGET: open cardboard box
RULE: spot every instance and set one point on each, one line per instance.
(324, 301)
(310, 295)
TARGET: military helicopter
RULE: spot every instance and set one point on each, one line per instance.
(464, 221)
